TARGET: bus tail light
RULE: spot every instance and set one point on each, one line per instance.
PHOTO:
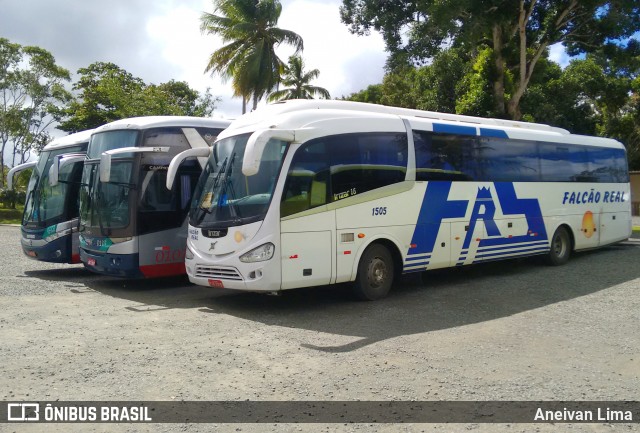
(260, 254)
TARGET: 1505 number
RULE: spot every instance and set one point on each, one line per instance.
(376, 211)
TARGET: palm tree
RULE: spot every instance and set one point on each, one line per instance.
(248, 28)
(298, 82)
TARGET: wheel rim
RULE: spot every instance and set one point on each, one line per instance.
(559, 245)
(377, 274)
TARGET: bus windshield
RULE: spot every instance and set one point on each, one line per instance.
(226, 197)
(106, 205)
(46, 205)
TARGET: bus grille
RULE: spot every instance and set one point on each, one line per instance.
(221, 273)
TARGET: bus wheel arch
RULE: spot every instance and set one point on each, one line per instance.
(561, 245)
(377, 268)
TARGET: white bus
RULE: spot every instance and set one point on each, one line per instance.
(130, 224)
(50, 218)
(306, 193)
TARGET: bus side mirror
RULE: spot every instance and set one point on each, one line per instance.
(17, 169)
(105, 158)
(59, 161)
(174, 165)
(256, 145)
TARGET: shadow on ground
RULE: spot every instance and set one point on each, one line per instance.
(445, 299)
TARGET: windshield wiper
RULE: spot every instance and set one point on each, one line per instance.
(215, 184)
(208, 210)
(98, 211)
(228, 188)
(30, 196)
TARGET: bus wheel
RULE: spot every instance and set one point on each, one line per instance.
(560, 247)
(375, 273)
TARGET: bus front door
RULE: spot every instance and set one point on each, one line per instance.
(307, 250)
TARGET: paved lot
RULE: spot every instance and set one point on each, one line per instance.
(516, 330)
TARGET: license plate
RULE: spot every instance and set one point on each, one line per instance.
(216, 283)
(91, 262)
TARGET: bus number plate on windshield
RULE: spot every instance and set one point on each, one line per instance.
(216, 283)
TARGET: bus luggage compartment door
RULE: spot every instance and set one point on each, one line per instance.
(306, 259)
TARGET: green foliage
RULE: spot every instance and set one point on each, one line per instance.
(434, 87)
(21, 180)
(597, 95)
(31, 94)
(438, 84)
(297, 81)
(372, 95)
(248, 28)
(519, 33)
(400, 88)
(475, 88)
(11, 216)
(9, 198)
(108, 92)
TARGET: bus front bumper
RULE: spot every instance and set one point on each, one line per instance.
(253, 277)
(56, 251)
(117, 265)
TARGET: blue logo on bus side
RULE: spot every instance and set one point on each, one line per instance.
(436, 207)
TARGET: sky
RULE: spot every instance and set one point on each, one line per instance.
(160, 40)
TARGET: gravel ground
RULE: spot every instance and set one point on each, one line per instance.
(514, 330)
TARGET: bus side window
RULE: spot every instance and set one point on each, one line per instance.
(444, 156)
(306, 185)
(362, 162)
(154, 197)
(607, 165)
(501, 160)
(563, 162)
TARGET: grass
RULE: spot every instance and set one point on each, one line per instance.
(11, 216)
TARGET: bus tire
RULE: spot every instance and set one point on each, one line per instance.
(560, 247)
(375, 273)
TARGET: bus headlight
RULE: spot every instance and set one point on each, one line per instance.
(260, 254)
(188, 254)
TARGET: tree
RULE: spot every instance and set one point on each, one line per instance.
(372, 95)
(105, 94)
(248, 27)
(31, 92)
(108, 92)
(518, 32)
(298, 82)
(434, 87)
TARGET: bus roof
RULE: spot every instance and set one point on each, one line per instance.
(319, 104)
(293, 114)
(69, 140)
(146, 122)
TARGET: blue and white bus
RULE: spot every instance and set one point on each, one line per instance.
(50, 218)
(306, 193)
(130, 224)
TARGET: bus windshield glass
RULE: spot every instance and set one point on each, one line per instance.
(226, 197)
(110, 140)
(46, 205)
(106, 205)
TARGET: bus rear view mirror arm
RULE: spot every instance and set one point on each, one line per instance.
(105, 158)
(60, 161)
(199, 152)
(256, 145)
(17, 169)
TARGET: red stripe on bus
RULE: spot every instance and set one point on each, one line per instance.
(75, 258)
(163, 270)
